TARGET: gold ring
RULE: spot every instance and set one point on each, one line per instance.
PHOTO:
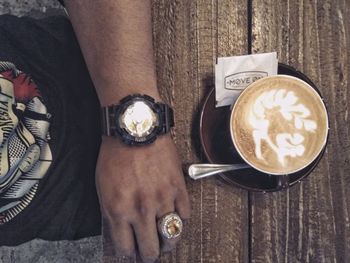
(170, 225)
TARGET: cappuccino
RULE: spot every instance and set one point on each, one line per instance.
(279, 125)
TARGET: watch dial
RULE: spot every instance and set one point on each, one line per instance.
(139, 119)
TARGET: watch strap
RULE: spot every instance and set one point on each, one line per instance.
(108, 120)
(167, 117)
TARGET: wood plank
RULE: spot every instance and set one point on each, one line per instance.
(309, 222)
(188, 36)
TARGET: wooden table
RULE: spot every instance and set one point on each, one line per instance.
(310, 221)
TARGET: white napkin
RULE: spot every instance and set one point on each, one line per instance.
(234, 74)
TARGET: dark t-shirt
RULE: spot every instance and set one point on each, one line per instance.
(55, 103)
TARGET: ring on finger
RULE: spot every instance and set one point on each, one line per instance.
(170, 225)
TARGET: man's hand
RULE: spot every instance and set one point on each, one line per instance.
(136, 186)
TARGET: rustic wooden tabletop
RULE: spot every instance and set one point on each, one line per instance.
(307, 223)
(310, 221)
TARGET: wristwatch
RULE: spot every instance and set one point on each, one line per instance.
(137, 119)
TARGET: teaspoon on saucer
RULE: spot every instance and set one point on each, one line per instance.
(202, 170)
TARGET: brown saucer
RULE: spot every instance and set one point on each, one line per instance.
(218, 147)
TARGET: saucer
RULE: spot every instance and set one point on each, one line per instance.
(218, 147)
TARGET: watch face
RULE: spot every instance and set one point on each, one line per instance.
(138, 119)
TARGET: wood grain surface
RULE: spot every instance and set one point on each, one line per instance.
(307, 223)
(310, 221)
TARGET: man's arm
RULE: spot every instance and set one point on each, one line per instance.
(136, 185)
(116, 41)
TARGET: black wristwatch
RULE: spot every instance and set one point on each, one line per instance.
(137, 119)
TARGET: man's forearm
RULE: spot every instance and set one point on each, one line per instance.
(116, 40)
(136, 185)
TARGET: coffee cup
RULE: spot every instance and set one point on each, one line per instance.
(279, 125)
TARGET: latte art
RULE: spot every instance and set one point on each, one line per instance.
(279, 125)
(285, 103)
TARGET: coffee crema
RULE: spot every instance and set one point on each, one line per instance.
(279, 125)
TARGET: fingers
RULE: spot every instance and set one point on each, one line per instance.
(123, 238)
(178, 203)
(182, 204)
(147, 238)
(168, 244)
(168, 207)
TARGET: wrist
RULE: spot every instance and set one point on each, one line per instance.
(112, 97)
(112, 88)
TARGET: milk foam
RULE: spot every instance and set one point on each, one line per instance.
(284, 144)
(279, 125)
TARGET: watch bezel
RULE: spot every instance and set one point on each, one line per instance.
(124, 134)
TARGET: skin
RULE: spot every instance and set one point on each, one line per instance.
(136, 185)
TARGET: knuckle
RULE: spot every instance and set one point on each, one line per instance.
(117, 205)
(117, 210)
(162, 194)
(144, 204)
(174, 182)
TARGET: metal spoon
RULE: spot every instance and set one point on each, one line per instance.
(201, 170)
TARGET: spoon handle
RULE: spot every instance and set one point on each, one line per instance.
(198, 171)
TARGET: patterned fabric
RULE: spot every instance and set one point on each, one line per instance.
(49, 133)
(25, 154)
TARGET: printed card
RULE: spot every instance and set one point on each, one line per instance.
(234, 74)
